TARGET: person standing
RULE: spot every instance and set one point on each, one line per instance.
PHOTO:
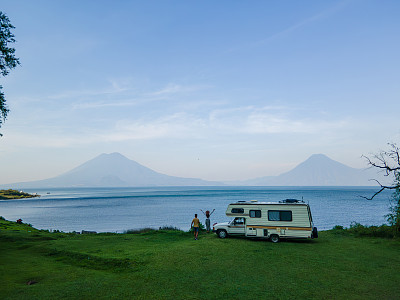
(196, 226)
(208, 222)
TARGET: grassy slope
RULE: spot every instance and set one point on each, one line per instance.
(171, 265)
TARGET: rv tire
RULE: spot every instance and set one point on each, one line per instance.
(274, 238)
(222, 234)
(314, 233)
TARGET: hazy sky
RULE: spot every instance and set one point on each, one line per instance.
(218, 90)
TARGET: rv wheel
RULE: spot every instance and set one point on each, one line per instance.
(222, 234)
(274, 238)
(314, 233)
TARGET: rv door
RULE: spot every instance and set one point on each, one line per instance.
(237, 226)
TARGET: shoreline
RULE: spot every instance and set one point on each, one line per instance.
(11, 194)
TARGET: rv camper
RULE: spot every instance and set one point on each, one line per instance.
(288, 218)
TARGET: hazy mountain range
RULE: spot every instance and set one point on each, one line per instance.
(115, 170)
(320, 170)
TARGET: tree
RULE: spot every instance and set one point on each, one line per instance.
(8, 61)
(389, 163)
(394, 216)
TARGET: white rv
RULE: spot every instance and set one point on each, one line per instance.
(288, 218)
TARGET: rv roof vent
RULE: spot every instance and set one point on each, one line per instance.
(290, 201)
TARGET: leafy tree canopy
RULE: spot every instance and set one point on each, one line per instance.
(8, 61)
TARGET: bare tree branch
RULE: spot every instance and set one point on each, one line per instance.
(389, 162)
(383, 187)
(386, 160)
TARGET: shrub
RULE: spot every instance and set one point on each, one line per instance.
(338, 227)
(147, 230)
(201, 227)
(141, 230)
(394, 216)
(169, 228)
(384, 231)
(340, 230)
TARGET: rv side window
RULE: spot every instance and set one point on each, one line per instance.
(237, 210)
(255, 213)
(279, 215)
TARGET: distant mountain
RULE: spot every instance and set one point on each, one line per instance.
(113, 170)
(320, 170)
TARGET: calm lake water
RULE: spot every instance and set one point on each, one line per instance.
(120, 209)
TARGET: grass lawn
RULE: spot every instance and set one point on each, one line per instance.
(172, 265)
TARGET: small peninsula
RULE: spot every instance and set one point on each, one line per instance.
(14, 194)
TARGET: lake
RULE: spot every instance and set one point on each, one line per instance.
(120, 209)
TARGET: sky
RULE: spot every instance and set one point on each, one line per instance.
(218, 90)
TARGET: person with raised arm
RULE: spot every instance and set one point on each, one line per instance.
(208, 222)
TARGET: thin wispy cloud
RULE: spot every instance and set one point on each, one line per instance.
(178, 125)
(103, 104)
(170, 89)
(242, 121)
(317, 17)
(269, 120)
(125, 93)
(293, 28)
(173, 89)
(271, 124)
(114, 87)
(82, 93)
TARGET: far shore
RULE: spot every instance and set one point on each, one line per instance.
(11, 194)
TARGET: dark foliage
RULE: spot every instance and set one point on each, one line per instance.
(8, 60)
(383, 231)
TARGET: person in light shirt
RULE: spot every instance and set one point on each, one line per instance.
(196, 226)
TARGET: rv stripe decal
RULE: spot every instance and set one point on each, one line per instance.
(280, 227)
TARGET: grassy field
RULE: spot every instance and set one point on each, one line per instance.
(172, 265)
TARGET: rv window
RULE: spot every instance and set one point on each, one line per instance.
(286, 215)
(279, 215)
(238, 221)
(255, 213)
(273, 215)
(237, 210)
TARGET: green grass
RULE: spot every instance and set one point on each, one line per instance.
(170, 264)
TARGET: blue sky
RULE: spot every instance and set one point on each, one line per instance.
(218, 90)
